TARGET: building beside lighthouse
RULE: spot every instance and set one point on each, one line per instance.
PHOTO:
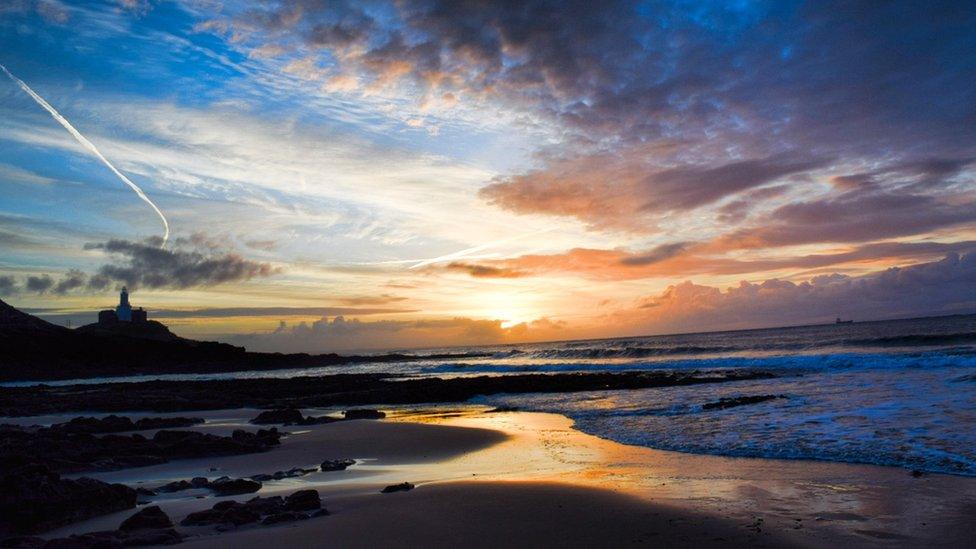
(123, 312)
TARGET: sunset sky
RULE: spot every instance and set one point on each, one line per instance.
(368, 175)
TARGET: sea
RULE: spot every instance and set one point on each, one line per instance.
(899, 392)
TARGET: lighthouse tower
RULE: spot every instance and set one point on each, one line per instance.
(124, 310)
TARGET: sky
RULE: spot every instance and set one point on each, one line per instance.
(348, 176)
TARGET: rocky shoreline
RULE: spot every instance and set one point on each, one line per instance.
(327, 391)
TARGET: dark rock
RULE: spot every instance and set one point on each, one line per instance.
(320, 513)
(152, 537)
(199, 482)
(67, 452)
(23, 542)
(225, 512)
(363, 414)
(402, 487)
(117, 424)
(317, 420)
(238, 515)
(303, 500)
(149, 518)
(201, 518)
(175, 486)
(323, 391)
(266, 506)
(235, 486)
(916, 473)
(282, 416)
(286, 516)
(33, 499)
(337, 464)
(731, 402)
(146, 492)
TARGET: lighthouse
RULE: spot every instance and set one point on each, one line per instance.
(124, 310)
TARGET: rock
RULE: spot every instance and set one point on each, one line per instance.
(730, 402)
(33, 499)
(202, 518)
(303, 500)
(146, 492)
(337, 464)
(318, 420)
(231, 487)
(282, 416)
(320, 513)
(149, 518)
(152, 537)
(224, 512)
(117, 424)
(916, 473)
(266, 506)
(287, 516)
(175, 486)
(199, 482)
(402, 487)
(238, 515)
(23, 542)
(363, 414)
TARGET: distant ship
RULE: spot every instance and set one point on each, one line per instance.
(839, 321)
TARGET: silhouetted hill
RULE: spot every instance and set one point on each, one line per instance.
(33, 349)
(143, 330)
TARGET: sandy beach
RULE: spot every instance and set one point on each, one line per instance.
(485, 478)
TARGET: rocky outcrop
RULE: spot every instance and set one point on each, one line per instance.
(731, 402)
(402, 487)
(65, 452)
(332, 391)
(34, 499)
(300, 505)
(225, 486)
(117, 424)
(363, 414)
(148, 518)
(291, 416)
(336, 464)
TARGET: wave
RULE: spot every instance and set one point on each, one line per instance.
(797, 363)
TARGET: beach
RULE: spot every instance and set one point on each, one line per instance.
(491, 478)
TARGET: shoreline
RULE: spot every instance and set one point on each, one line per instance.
(472, 465)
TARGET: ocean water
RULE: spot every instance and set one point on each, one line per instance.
(900, 393)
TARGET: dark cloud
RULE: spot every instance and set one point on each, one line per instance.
(483, 271)
(8, 285)
(39, 284)
(655, 255)
(859, 215)
(381, 299)
(72, 280)
(145, 264)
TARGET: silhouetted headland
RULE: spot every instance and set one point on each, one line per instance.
(34, 349)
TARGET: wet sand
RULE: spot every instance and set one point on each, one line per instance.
(490, 479)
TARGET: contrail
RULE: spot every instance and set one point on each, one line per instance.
(91, 147)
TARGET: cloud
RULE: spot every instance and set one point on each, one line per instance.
(938, 287)
(39, 284)
(345, 335)
(8, 285)
(662, 107)
(145, 264)
(483, 271)
(690, 258)
(72, 280)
